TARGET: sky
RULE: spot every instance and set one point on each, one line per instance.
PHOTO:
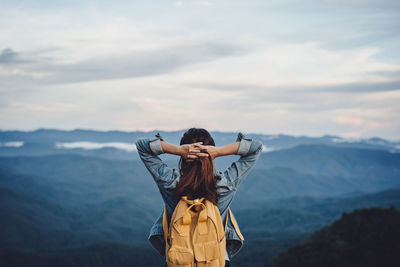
(293, 67)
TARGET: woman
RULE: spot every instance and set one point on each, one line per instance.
(198, 177)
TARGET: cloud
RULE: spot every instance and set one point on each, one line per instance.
(141, 65)
(93, 145)
(202, 3)
(178, 3)
(360, 87)
(275, 92)
(195, 3)
(351, 134)
(128, 65)
(12, 144)
(9, 56)
(358, 123)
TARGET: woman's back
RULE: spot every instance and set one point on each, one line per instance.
(226, 182)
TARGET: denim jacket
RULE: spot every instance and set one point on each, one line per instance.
(228, 181)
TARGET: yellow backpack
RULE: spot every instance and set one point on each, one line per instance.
(196, 238)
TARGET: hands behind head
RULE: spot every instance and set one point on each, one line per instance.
(191, 152)
(195, 151)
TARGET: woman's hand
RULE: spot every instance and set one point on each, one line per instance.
(191, 152)
(210, 150)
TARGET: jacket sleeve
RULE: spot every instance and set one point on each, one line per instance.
(148, 150)
(249, 151)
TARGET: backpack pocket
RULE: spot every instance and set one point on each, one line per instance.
(180, 256)
(206, 251)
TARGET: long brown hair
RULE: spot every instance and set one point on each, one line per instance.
(197, 178)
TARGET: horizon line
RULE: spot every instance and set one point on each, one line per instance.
(184, 129)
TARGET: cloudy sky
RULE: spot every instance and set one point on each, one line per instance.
(297, 67)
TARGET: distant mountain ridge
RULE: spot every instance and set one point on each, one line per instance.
(44, 141)
(306, 170)
(320, 170)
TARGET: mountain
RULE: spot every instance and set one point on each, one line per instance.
(120, 144)
(66, 206)
(52, 212)
(306, 214)
(274, 226)
(77, 179)
(320, 171)
(336, 161)
(308, 170)
(366, 237)
(35, 222)
(76, 200)
(106, 254)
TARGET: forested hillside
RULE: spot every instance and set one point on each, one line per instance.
(362, 238)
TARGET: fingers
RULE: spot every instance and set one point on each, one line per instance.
(199, 146)
(192, 157)
(195, 152)
(197, 155)
(196, 147)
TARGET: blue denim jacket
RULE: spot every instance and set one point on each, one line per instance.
(228, 181)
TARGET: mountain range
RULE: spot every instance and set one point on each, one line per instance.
(93, 202)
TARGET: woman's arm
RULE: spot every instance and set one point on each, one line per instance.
(170, 148)
(149, 149)
(215, 152)
(249, 151)
(229, 149)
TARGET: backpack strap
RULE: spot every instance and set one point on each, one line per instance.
(199, 205)
(234, 223)
(226, 221)
(165, 224)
